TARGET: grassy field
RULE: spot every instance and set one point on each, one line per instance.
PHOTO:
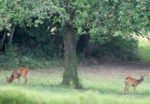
(102, 85)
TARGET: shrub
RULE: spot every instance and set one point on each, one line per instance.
(12, 58)
(118, 47)
(9, 58)
(121, 48)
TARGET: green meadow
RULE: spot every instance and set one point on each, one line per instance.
(44, 87)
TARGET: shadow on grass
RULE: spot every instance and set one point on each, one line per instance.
(51, 88)
(64, 89)
(120, 93)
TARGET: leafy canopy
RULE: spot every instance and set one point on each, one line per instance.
(24, 12)
(102, 19)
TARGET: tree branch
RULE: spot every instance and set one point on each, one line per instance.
(140, 34)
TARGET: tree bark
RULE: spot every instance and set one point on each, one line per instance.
(11, 35)
(2, 42)
(70, 75)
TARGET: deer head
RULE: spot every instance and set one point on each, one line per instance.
(141, 77)
(9, 80)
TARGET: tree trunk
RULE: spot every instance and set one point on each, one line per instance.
(11, 35)
(2, 42)
(70, 75)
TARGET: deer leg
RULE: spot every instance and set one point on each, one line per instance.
(15, 77)
(125, 88)
(18, 79)
(134, 88)
(25, 78)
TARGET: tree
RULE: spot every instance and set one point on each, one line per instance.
(23, 13)
(71, 8)
(116, 17)
(104, 19)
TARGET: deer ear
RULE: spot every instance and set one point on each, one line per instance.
(142, 75)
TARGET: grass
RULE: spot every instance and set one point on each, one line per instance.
(144, 49)
(43, 88)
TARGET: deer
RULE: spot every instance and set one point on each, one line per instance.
(16, 74)
(130, 81)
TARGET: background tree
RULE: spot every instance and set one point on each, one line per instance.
(23, 13)
(116, 17)
(72, 9)
(104, 19)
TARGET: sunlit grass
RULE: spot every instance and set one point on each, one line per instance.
(144, 49)
(44, 88)
(16, 95)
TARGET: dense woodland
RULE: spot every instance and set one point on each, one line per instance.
(35, 32)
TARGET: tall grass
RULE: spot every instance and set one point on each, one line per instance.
(14, 96)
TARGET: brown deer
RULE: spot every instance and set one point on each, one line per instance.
(130, 81)
(16, 74)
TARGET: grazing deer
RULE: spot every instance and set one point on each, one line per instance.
(130, 81)
(16, 74)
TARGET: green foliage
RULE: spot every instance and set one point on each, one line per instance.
(33, 62)
(13, 58)
(110, 17)
(103, 20)
(16, 12)
(9, 58)
(117, 47)
(38, 42)
(144, 49)
(120, 48)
